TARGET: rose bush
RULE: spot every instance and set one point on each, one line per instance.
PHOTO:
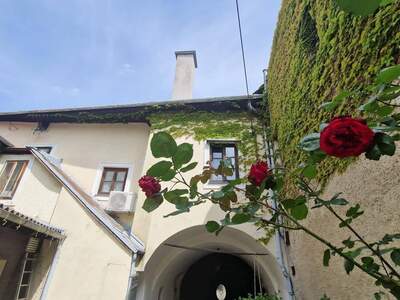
(258, 173)
(149, 185)
(346, 136)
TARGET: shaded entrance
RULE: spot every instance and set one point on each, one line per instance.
(203, 277)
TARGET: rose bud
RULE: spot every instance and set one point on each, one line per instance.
(149, 185)
(258, 172)
(346, 136)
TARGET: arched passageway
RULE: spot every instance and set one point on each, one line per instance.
(169, 271)
(202, 278)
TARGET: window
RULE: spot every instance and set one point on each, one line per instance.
(44, 149)
(113, 179)
(10, 177)
(220, 152)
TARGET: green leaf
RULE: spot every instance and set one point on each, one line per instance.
(299, 212)
(378, 295)
(241, 218)
(169, 175)
(218, 195)
(354, 211)
(183, 155)
(175, 195)
(310, 142)
(338, 201)
(163, 145)
(152, 203)
(395, 256)
(310, 171)
(359, 7)
(348, 243)
(385, 143)
(327, 257)
(348, 266)
(189, 167)
(374, 153)
(388, 75)
(182, 203)
(159, 169)
(212, 226)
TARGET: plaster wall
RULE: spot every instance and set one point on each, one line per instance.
(91, 263)
(83, 147)
(37, 191)
(376, 186)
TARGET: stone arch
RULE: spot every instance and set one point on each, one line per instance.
(166, 267)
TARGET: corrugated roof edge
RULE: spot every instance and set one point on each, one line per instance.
(139, 105)
(132, 242)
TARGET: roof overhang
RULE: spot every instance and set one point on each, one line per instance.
(8, 215)
(132, 112)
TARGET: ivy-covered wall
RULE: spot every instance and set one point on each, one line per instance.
(206, 125)
(318, 51)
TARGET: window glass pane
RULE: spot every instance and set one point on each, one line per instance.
(121, 176)
(13, 179)
(5, 175)
(119, 186)
(230, 151)
(44, 149)
(216, 152)
(109, 175)
(216, 178)
(106, 187)
(215, 163)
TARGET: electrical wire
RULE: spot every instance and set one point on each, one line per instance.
(242, 47)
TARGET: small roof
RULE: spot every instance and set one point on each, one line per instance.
(7, 214)
(132, 242)
(132, 112)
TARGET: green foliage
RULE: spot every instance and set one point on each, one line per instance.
(350, 52)
(205, 125)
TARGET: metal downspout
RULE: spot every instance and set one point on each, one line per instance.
(132, 284)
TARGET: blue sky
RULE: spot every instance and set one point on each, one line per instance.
(71, 53)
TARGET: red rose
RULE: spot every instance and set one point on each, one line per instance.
(258, 172)
(345, 136)
(149, 185)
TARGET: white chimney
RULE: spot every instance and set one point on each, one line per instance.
(186, 62)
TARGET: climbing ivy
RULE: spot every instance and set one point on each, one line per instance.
(343, 53)
(207, 125)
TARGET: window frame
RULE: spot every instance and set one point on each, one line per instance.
(224, 145)
(116, 170)
(18, 179)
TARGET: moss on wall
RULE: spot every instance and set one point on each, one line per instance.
(205, 125)
(319, 51)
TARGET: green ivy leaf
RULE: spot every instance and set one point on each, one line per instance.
(159, 169)
(163, 145)
(189, 167)
(359, 7)
(218, 195)
(212, 226)
(348, 243)
(338, 201)
(240, 218)
(395, 256)
(174, 196)
(327, 257)
(388, 75)
(152, 203)
(183, 155)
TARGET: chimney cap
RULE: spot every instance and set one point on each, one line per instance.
(188, 52)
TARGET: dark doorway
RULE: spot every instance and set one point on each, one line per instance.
(202, 278)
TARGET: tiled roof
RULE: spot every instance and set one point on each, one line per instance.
(7, 214)
(129, 240)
